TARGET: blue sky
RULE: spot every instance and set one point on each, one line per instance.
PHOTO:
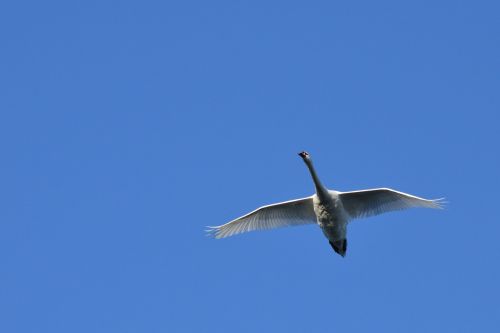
(127, 127)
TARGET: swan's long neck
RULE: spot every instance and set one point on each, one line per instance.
(321, 191)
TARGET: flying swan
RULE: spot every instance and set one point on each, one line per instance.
(331, 210)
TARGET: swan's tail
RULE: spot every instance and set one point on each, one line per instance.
(339, 246)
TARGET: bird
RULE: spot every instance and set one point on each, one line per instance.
(331, 210)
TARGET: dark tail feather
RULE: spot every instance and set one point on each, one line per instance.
(340, 246)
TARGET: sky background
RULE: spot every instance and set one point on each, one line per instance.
(127, 127)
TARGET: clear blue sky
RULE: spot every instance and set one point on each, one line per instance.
(127, 127)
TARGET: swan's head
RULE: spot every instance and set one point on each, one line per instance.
(305, 156)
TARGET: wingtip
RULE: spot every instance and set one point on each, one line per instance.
(440, 203)
(211, 232)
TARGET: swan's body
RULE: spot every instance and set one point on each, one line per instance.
(331, 210)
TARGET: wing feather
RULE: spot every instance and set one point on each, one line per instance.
(380, 200)
(283, 214)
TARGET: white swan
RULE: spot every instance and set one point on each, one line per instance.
(331, 210)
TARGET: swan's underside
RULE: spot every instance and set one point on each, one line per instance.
(331, 210)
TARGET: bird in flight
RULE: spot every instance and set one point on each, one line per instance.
(331, 210)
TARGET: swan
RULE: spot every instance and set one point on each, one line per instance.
(331, 210)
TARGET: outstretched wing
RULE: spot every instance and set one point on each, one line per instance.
(283, 214)
(380, 200)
